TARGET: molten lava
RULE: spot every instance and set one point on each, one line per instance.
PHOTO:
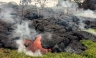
(35, 45)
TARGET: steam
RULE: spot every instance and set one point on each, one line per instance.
(23, 30)
(86, 13)
(68, 4)
(8, 16)
(22, 49)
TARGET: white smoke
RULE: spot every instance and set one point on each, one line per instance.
(70, 7)
(22, 49)
(8, 14)
(68, 4)
(86, 13)
(23, 30)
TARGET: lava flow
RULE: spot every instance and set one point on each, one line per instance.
(35, 45)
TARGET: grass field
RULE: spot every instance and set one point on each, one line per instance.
(89, 53)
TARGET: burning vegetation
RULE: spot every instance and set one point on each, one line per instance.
(38, 30)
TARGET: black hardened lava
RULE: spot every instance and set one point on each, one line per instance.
(89, 4)
(61, 39)
(5, 40)
(56, 34)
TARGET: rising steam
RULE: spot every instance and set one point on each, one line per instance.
(22, 49)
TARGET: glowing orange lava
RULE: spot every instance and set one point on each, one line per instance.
(35, 45)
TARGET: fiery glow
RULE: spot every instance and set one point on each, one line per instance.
(35, 45)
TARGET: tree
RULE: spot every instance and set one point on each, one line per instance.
(42, 3)
(23, 3)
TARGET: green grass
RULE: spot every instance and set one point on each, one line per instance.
(89, 53)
